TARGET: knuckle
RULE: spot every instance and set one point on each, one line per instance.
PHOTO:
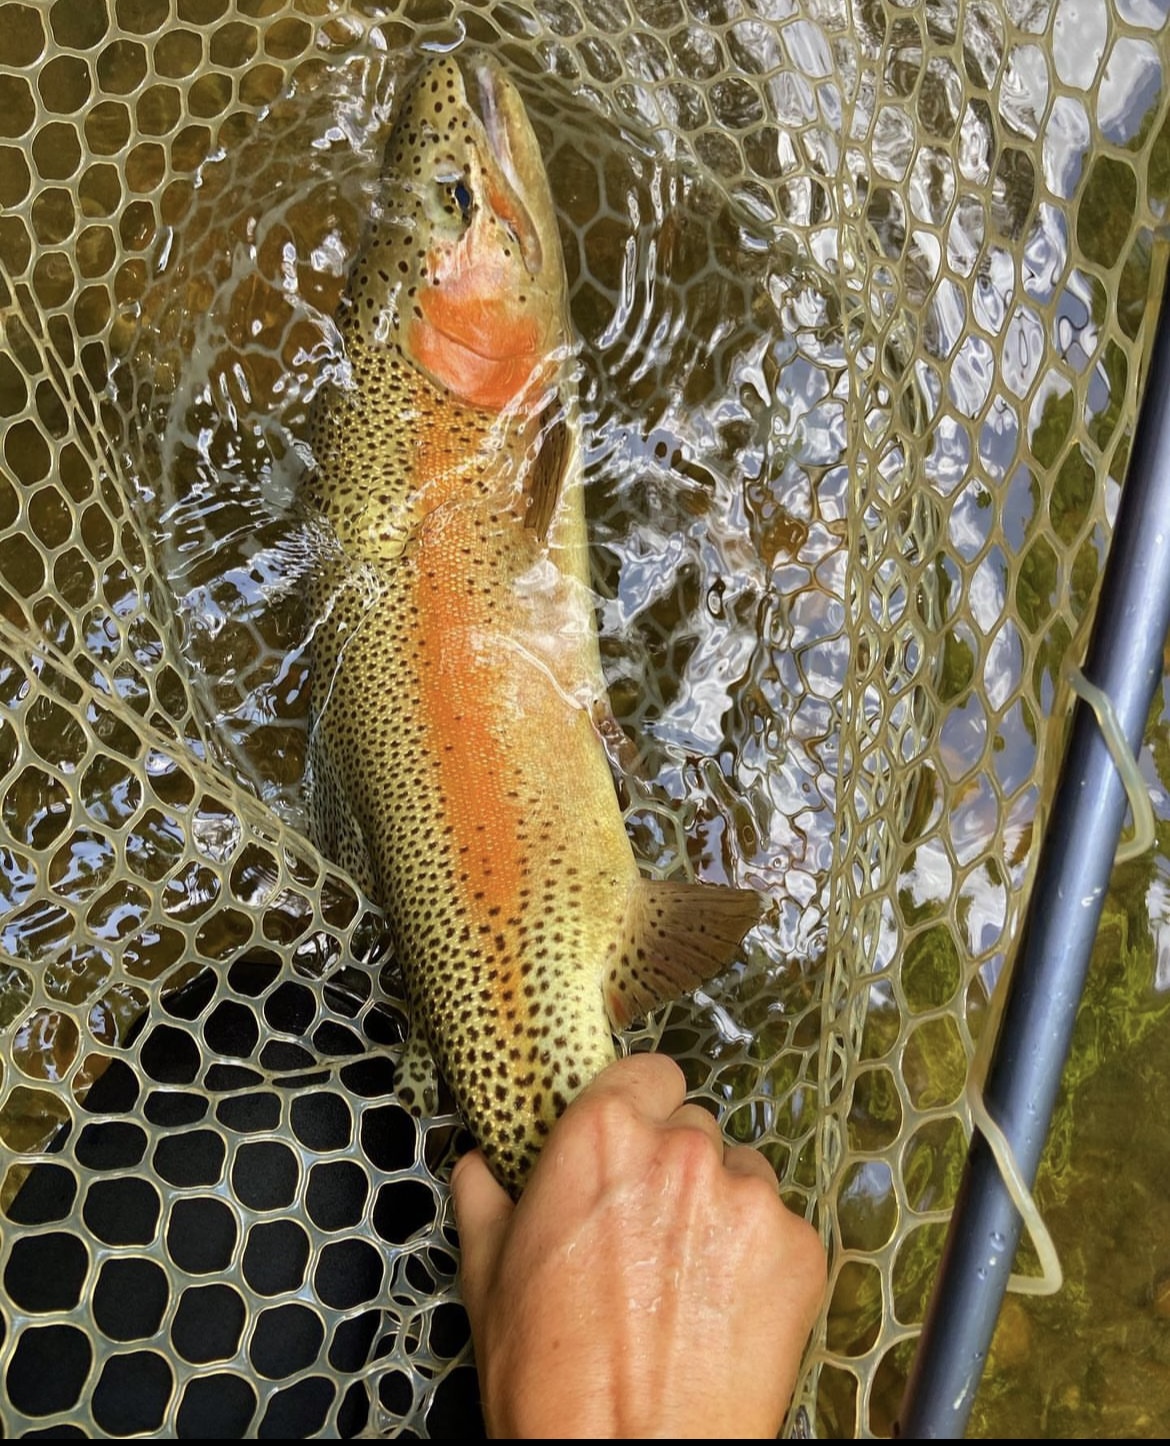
(608, 1115)
(692, 1154)
(759, 1200)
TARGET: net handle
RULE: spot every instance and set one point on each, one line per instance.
(1060, 926)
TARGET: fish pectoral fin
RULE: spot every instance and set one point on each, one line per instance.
(416, 1080)
(676, 937)
(625, 759)
(547, 472)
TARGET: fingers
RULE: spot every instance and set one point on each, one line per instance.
(482, 1213)
(746, 1160)
(695, 1117)
(651, 1083)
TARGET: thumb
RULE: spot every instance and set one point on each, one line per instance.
(482, 1212)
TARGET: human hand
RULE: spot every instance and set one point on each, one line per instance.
(648, 1283)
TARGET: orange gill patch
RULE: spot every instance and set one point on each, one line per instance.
(472, 336)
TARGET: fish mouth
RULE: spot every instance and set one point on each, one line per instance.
(513, 149)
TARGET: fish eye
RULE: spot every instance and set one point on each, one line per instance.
(462, 198)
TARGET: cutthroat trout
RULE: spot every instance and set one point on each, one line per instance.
(458, 760)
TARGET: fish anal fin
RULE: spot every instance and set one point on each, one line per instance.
(547, 473)
(416, 1080)
(676, 937)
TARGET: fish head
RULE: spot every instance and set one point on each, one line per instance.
(467, 256)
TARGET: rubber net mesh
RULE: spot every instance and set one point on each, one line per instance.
(863, 292)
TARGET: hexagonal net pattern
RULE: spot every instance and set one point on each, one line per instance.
(863, 294)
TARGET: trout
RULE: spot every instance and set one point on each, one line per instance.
(459, 723)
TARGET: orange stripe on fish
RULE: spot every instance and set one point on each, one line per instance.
(459, 704)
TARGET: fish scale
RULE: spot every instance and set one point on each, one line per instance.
(457, 754)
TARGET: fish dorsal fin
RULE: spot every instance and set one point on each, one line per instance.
(547, 473)
(676, 937)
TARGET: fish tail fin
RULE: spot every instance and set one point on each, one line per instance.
(676, 936)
